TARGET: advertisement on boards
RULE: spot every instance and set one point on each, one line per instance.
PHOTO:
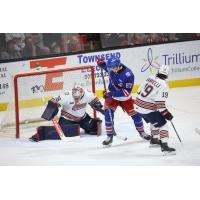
(182, 57)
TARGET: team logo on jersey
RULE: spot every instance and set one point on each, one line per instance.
(150, 62)
(79, 106)
(128, 74)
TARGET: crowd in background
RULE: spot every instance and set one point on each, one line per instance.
(123, 39)
(27, 45)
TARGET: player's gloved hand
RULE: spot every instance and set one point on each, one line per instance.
(99, 107)
(101, 63)
(107, 95)
(167, 115)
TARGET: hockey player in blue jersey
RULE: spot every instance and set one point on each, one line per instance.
(121, 82)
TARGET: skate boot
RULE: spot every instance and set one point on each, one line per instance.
(145, 136)
(167, 150)
(34, 138)
(108, 141)
(154, 142)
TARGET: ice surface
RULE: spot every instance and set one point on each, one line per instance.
(184, 103)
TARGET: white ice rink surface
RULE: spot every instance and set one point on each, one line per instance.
(184, 103)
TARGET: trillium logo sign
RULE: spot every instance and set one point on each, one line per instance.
(150, 62)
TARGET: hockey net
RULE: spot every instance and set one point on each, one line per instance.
(31, 92)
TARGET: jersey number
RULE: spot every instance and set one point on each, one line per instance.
(147, 90)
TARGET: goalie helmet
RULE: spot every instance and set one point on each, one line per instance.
(163, 72)
(77, 92)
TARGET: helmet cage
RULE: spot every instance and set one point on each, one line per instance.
(77, 92)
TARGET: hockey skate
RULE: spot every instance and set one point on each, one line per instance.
(108, 141)
(34, 138)
(145, 136)
(154, 142)
(167, 150)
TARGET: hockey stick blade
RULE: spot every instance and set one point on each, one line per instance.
(121, 137)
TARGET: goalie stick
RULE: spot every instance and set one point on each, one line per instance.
(62, 135)
(110, 115)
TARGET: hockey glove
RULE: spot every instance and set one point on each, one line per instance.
(101, 63)
(166, 114)
(98, 107)
(107, 95)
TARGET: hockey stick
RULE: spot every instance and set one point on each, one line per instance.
(109, 111)
(176, 131)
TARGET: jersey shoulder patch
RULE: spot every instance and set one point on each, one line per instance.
(128, 74)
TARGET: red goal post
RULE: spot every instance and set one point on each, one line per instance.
(17, 77)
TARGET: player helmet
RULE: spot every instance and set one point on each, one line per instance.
(163, 72)
(77, 92)
(113, 62)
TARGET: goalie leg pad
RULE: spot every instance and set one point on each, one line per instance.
(49, 132)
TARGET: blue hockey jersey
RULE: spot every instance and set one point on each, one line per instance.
(121, 83)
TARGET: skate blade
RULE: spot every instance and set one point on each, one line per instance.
(169, 153)
(154, 146)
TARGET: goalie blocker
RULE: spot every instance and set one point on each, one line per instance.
(70, 128)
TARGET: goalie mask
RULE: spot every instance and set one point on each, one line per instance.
(77, 92)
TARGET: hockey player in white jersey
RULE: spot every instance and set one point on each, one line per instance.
(150, 103)
(73, 114)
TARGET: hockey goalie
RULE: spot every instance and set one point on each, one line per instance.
(73, 115)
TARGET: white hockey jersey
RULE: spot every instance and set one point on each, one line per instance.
(74, 111)
(152, 96)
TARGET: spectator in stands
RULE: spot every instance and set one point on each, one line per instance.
(74, 43)
(153, 38)
(123, 39)
(50, 39)
(2, 43)
(173, 37)
(37, 39)
(31, 48)
(55, 48)
(139, 38)
(10, 52)
(45, 51)
(18, 38)
(164, 37)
